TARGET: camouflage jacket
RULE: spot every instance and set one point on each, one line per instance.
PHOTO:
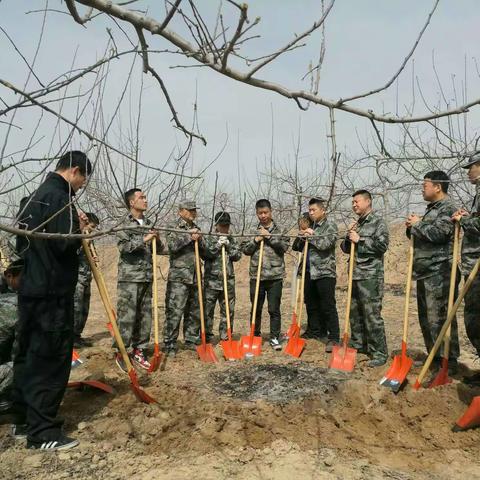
(321, 250)
(84, 270)
(181, 249)
(370, 248)
(213, 262)
(135, 256)
(433, 240)
(274, 249)
(471, 235)
(8, 320)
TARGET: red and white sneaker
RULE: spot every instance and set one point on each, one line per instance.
(139, 358)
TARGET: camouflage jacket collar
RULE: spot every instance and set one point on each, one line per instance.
(271, 229)
(184, 225)
(132, 219)
(437, 204)
(371, 215)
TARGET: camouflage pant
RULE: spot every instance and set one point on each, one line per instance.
(81, 307)
(472, 314)
(134, 311)
(432, 301)
(211, 298)
(368, 329)
(181, 300)
(6, 379)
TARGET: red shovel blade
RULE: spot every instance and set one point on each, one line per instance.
(294, 328)
(141, 394)
(231, 349)
(91, 383)
(442, 377)
(398, 372)
(343, 358)
(471, 418)
(295, 346)
(250, 346)
(155, 361)
(206, 353)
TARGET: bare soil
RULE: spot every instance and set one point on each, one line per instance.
(271, 417)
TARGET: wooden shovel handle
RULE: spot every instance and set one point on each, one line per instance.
(154, 289)
(448, 322)
(199, 287)
(302, 284)
(257, 283)
(349, 288)
(225, 287)
(408, 288)
(97, 275)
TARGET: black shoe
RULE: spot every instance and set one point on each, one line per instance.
(377, 362)
(62, 443)
(472, 380)
(19, 432)
(329, 346)
(452, 367)
(5, 404)
(275, 344)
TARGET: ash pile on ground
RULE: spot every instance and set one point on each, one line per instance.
(274, 383)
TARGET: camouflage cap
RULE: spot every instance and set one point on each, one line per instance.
(188, 204)
(472, 160)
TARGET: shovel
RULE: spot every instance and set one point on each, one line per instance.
(402, 364)
(205, 350)
(249, 344)
(295, 299)
(113, 327)
(155, 361)
(231, 348)
(343, 357)
(295, 344)
(442, 377)
(446, 325)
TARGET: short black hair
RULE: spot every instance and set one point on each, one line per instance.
(438, 177)
(263, 203)
(72, 159)
(128, 195)
(92, 218)
(317, 201)
(364, 193)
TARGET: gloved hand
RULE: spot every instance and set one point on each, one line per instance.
(223, 241)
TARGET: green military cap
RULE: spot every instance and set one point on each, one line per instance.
(188, 204)
(472, 160)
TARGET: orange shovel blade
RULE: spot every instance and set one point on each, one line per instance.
(231, 349)
(91, 383)
(294, 328)
(442, 377)
(155, 360)
(250, 346)
(295, 346)
(470, 419)
(141, 394)
(343, 358)
(397, 373)
(206, 353)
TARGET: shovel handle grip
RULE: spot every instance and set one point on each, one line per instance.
(257, 283)
(408, 288)
(349, 288)
(302, 285)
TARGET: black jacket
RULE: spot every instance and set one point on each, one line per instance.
(50, 265)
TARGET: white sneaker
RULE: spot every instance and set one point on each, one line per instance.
(275, 344)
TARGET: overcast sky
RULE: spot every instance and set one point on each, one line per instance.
(366, 41)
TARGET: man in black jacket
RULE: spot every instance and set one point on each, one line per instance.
(45, 303)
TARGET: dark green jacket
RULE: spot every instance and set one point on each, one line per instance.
(273, 267)
(371, 247)
(471, 235)
(433, 240)
(321, 249)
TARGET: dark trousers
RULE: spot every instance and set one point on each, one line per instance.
(471, 314)
(42, 362)
(272, 290)
(321, 307)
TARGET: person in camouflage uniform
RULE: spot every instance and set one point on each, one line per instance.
(83, 291)
(134, 282)
(272, 272)
(181, 296)
(470, 223)
(213, 277)
(370, 234)
(432, 261)
(8, 322)
(320, 275)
